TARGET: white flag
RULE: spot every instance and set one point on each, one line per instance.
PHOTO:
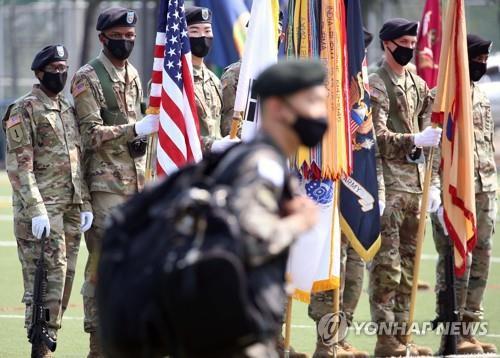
(314, 260)
(261, 51)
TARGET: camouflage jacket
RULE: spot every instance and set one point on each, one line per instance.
(110, 168)
(208, 104)
(44, 153)
(414, 100)
(229, 81)
(484, 149)
(260, 184)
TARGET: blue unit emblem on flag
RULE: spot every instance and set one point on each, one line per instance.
(321, 191)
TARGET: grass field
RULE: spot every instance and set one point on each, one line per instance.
(73, 341)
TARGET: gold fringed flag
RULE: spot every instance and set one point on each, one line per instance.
(453, 109)
(318, 30)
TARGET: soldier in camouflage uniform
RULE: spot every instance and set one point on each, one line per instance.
(270, 218)
(108, 95)
(207, 90)
(401, 105)
(470, 287)
(49, 192)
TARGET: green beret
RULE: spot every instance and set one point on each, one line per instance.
(287, 77)
(476, 46)
(116, 17)
(395, 28)
(48, 55)
(198, 15)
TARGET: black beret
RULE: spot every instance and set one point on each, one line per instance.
(49, 54)
(368, 37)
(476, 46)
(395, 28)
(115, 17)
(288, 77)
(198, 15)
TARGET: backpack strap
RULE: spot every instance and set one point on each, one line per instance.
(111, 115)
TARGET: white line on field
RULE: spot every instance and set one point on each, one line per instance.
(434, 257)
(426, 257)
(18, 316)
(8, 244)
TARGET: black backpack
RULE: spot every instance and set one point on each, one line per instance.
(172, 278)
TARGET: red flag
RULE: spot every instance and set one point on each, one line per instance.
(429, 43)
(172, 91)
(453, 108)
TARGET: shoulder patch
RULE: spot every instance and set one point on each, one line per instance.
(79, 88)
(12, 121)
(272, 171)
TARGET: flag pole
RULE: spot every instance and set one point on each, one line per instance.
(336, 292)
(288, 326)
(235, 124)
(420, 241)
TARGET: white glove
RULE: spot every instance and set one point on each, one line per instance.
(39, 224)
(434, 200)
(148, 125)
(381, 207)
(440, 215)
(221, 145)
(86, 219)
(429, 137)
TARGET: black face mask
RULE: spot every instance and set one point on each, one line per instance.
(200, 45)
(54, 82)
(310, 130)
(402, 55)
(476, 70)
(120, 49)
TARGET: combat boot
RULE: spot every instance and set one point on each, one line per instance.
(420, 350)
(95, 346)
(354, 351)
(486, 347)
(280, 347)
(41, 351)
(466, 347)
(324, 351)
(389, 346)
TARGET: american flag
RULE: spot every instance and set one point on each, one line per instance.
(172, 91)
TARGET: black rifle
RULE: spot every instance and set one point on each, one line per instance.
(38, 332)
(448, 311)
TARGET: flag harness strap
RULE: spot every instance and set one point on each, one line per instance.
(395, 116)
(111, 115)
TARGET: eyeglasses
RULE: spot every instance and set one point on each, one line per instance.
(56, 69)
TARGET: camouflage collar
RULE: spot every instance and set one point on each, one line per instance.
(201, 73)
(403, 81)
(49, 103)
(113, 73)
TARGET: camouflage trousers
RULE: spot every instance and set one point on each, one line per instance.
(391, 271)
(102, 205)
(470, 287)
(61, 252)
(351, 284)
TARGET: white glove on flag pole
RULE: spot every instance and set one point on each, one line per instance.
(261, 51)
